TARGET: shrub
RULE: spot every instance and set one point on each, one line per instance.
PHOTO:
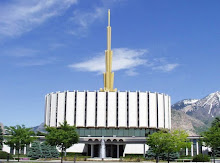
(4, 155)
(35, 150)
(163, 156)
(201, 158)
(133, 155)
(42, 150)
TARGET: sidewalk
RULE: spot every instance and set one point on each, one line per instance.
(58, 161)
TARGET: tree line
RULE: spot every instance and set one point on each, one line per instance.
(18, 137)
(163, 143)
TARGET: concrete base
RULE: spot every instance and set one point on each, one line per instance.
(105, 159)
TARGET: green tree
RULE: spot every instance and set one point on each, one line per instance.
(150, 155)
(156, 143)
(174, 141)
(163, 142)
(35, 150)
(18, 137)
(63, 136)
(211, 138)
(54, 152)
(45, 148)
(40, 133)
(216, 122)
(1, 138)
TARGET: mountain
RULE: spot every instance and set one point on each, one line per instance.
(205, 109)
(191, 125)
(183, 103)
(197, 114)
(39, 128)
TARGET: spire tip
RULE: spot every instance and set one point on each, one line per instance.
(108, 17)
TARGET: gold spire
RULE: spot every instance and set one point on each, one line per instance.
(108, 74)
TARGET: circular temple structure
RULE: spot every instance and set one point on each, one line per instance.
(120, 120)
(123, 118)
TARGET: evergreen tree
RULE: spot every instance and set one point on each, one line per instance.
(1, 138)
(35, 150)
(163, 156)
(172, 156)
(54, 152)
(217, 152)
(150, 154)
(216, 122)
(46, 152)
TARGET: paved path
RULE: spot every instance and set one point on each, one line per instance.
(58, 161)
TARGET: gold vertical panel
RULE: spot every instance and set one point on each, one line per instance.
(108, 75)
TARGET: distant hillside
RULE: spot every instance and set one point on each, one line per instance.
(39, 128)
(181, 120)
(196, 115)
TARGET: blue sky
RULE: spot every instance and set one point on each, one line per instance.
(170, 46)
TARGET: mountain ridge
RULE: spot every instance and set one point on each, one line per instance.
(203, 110)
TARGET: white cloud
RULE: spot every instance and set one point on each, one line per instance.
(28, 57)
(21, 52)
(123, 59)
(166, 67)
(36, 62)
(131, 72)
(54, 46)
(83, 19)
(22, 16)
(86, 18)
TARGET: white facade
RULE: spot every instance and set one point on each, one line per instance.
(108, 109)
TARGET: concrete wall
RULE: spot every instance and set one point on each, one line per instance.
(108, 109)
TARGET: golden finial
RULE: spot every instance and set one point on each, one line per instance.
(108, 75)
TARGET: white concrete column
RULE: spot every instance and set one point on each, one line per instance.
(25, 148)
(117, 151)
(14, 151)
(192, 149)
(144, 151)
(92, 149)
(124, 151)
(197, 147)
(187, 152)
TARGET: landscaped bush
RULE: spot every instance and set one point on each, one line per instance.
(42, 150)
(72, 154)
(4, 155)
(163, 156)
(201, 158)
(132, 158)
(134, 155)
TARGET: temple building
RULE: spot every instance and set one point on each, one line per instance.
(122, 119)
(111, 123)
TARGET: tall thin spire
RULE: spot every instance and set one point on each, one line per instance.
(108, 17)
(108, 74)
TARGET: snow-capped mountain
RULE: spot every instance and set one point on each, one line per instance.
(204, 109)
(183, 103)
